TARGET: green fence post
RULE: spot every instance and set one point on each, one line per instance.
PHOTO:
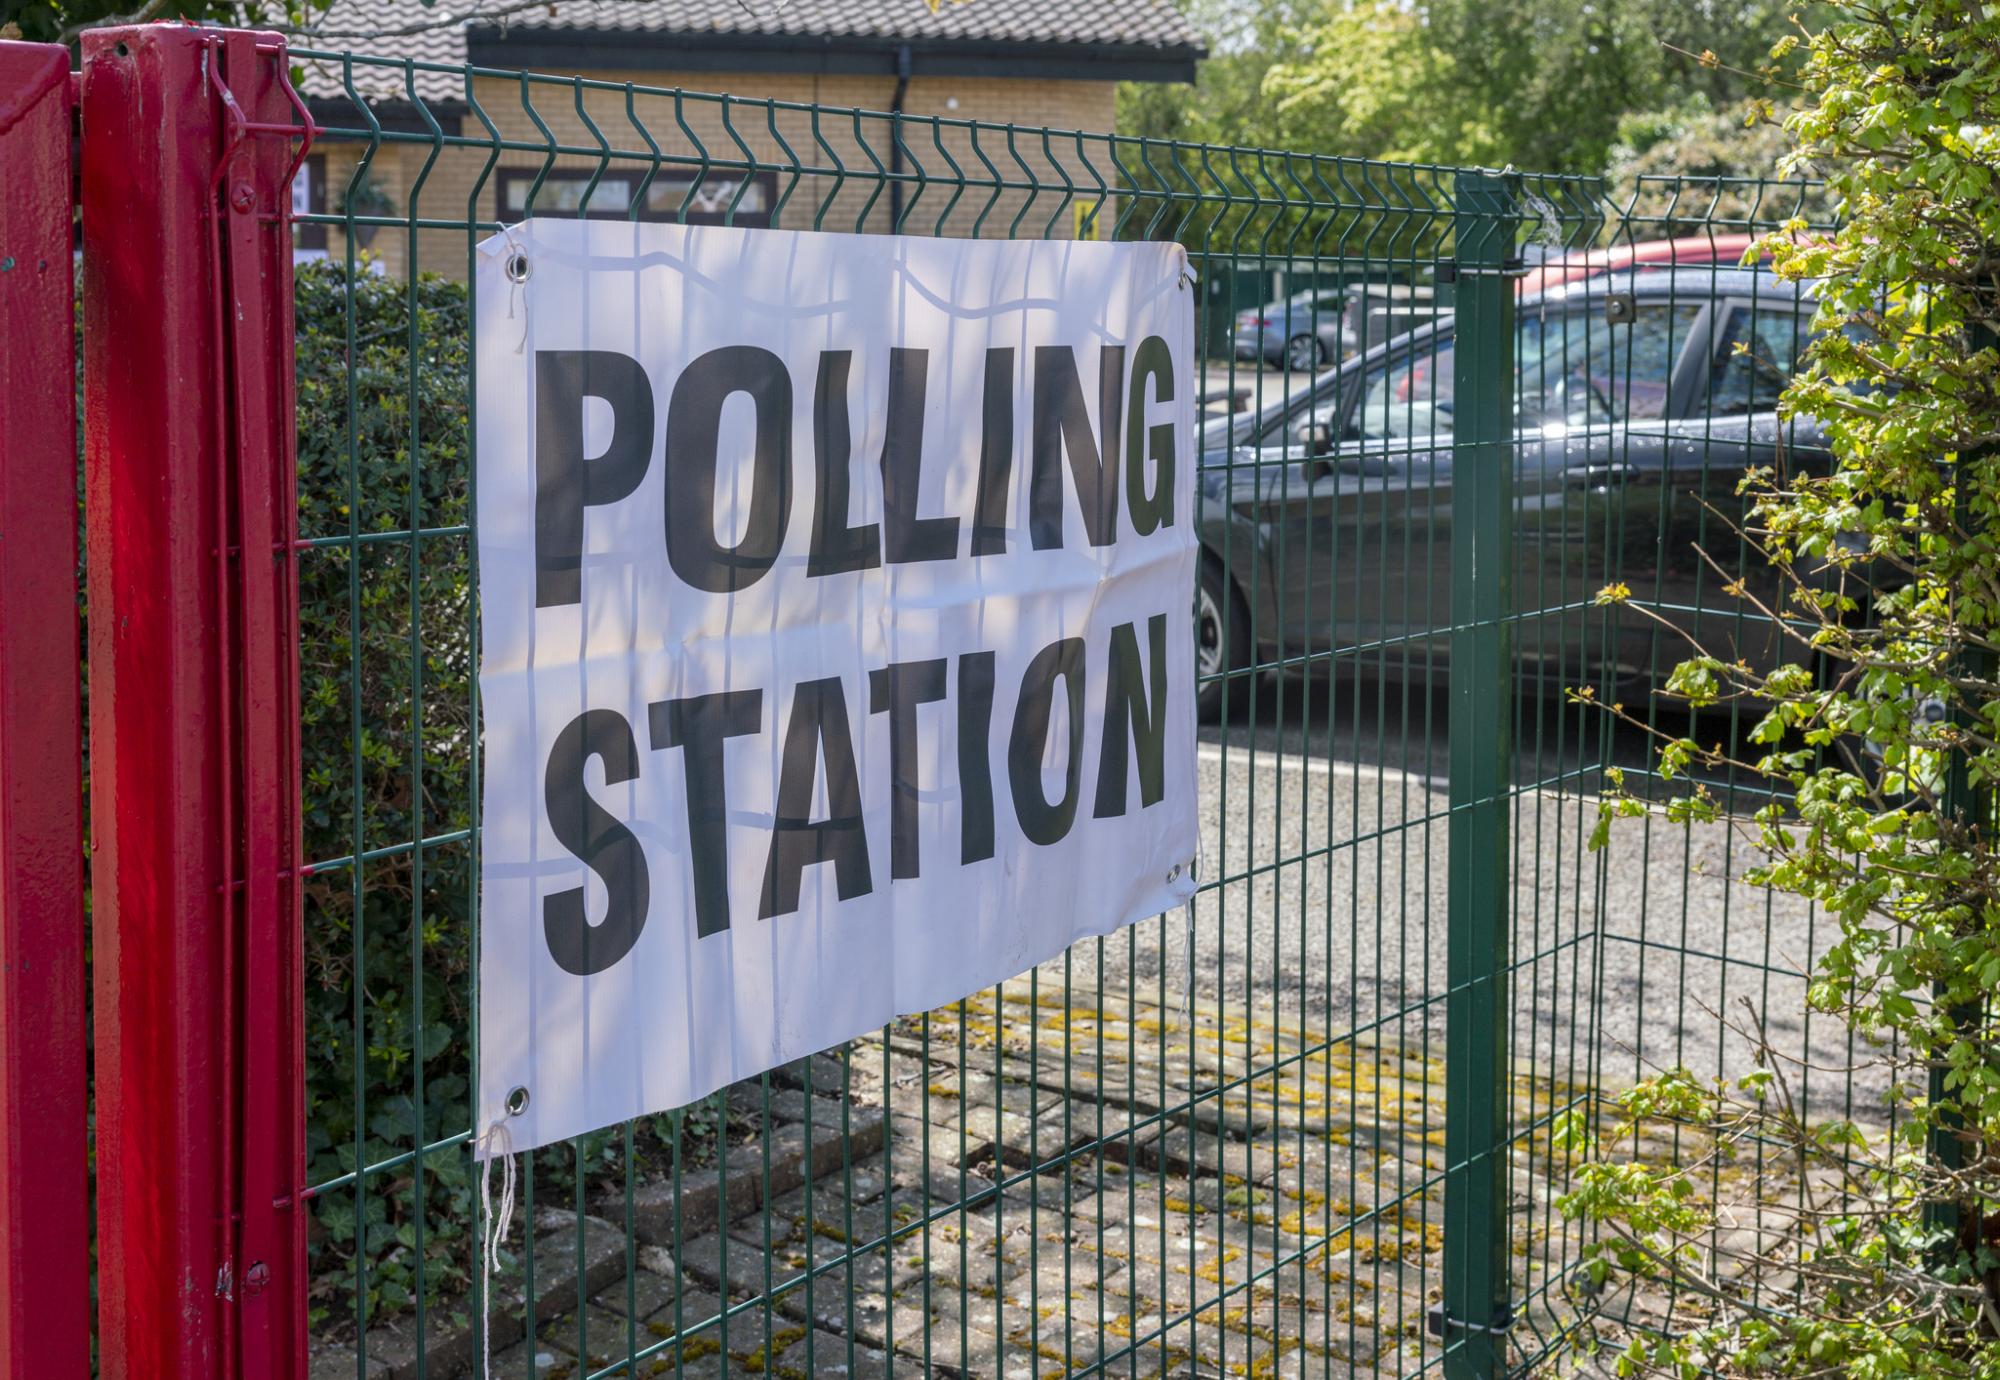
(1476, 1311)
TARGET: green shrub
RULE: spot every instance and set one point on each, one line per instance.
(1883, 764)
(388, 666)
(386, 682)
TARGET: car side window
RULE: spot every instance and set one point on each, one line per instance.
(1311, 426)
(1408, 399)
(1577, 369)
(1572, 368)
(1756, 352)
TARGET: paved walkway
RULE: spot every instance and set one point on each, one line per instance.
(1034, 1183)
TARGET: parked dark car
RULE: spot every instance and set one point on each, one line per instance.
(1311, 330)
(1326, 517)
(1289, 333)
(1379, 312)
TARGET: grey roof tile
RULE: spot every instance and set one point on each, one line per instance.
(437, 33)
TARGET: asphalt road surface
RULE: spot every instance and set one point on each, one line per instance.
(1325, 846)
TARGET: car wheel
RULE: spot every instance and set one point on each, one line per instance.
(1304, 352)
(1221, 641)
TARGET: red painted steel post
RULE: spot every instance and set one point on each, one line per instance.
(188, 148)
(44, 1148)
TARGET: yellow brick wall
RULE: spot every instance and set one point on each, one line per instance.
(819, 144)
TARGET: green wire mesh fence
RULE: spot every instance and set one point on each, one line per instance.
(1305, 1130)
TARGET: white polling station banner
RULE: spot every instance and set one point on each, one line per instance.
(836, 639)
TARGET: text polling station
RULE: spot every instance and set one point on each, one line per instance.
(836, 639)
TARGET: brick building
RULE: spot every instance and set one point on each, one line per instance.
(935, 84)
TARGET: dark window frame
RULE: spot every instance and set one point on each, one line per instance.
(313, 234)
(506, 179)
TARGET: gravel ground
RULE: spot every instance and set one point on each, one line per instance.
(1325, 844)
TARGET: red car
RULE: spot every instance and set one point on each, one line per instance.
(1727, 250)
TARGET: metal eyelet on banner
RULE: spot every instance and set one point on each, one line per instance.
(518, 268)
(517, 1101)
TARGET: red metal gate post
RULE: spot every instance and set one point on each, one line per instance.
(44, 1150)
(187, 159)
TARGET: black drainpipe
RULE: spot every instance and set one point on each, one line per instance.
(896, 136)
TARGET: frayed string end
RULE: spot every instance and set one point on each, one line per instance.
(498, 1144)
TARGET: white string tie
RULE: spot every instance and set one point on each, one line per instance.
(1187, 986)
(499, 1142)
(515, 285)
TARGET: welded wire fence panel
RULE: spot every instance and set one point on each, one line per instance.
(1695, 968)
(1215, 1143)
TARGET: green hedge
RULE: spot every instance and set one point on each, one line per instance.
(387, 663)
(386, 684)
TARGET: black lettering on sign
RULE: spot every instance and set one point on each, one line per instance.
(819, 728)
(699, 724)
(906, 536)
(975, 768)
(694, 417)
(836, 547)
(565, 482)
(1062, 426)
(604, 845)
(996, 455)
(1150, 512)
(1042, 820)
(1128, 716)
(898, 689)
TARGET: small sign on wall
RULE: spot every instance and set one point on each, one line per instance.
(837, 654)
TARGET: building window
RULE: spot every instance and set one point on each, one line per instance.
(309, 199)
(562, 194)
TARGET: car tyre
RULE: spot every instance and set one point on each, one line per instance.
(1305, 352)
(1221, 642)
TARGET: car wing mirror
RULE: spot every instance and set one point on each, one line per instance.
(1313, 440)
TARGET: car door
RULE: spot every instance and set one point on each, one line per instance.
(1312, 508)
(1602, 375)
(1593, 395)
(1395, 466)
(1730, 425)
(1346, 505)
(1358, 502)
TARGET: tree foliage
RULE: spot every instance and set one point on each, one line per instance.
(1542, 84)
(1371, 77)
(60, 21)
(1554, 76)
(1884, 1260)
(1692, 167)
(1225, 104)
